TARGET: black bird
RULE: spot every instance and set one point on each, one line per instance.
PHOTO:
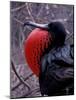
(51, 70)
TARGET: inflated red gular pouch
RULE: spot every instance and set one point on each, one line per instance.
(35, 46)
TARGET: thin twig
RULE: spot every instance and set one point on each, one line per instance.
(29, 93)
(60, 20)
(20, 78)
(40, 12)
(20, 82)
(20, 22)
(69, 37)
(17, 20)
(29, 12)
(18, 8)
(36, 90)
(67, 31)
(21, 35)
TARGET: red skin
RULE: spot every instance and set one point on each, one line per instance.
(34, 48)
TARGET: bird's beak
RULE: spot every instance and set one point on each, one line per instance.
(42, 26)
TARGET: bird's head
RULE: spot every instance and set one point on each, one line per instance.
(55, 29)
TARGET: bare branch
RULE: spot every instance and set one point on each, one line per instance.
(18, 8)
(29, 12)
(33, 90)
(21, 83)
(21, 23)
(21, 37)
(69, 37)
(20, 78)
(17, 20)
(40, 11)
(60, 20)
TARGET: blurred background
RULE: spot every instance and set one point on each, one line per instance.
(23, 83)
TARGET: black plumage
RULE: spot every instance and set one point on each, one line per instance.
(57, 73)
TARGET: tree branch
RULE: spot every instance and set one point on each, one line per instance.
(20, 78)
(18, 8)
(20, 82)
(29, 12)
